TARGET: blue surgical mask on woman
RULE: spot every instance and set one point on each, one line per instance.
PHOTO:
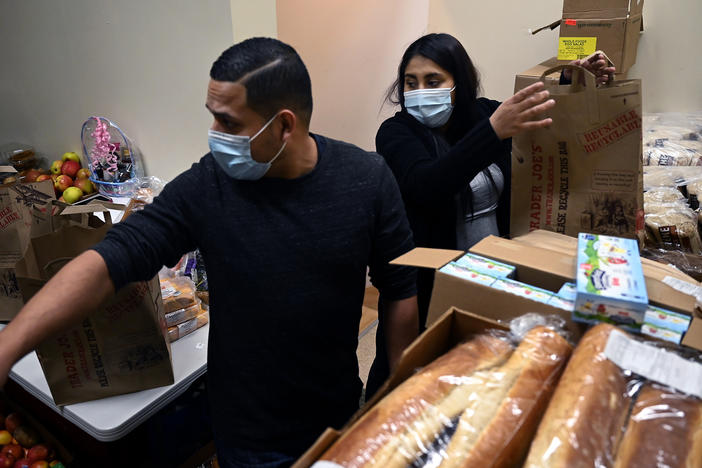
(233, 154)
(431, 107)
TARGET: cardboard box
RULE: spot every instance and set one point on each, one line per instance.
(450, 291)
(532, 75)
(610, 282)
(613, 26)
(452, 328)
(555, 253)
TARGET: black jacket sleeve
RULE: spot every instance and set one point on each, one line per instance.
(137, 248)
(425, 179)
(392, 238)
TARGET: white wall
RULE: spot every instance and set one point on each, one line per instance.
(496, 37)
(669, 60)
(352, 50)
(144, 64)
(253, 18)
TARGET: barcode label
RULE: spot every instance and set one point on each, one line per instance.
(684, 287)
(654, 363)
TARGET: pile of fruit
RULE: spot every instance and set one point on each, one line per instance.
(21, 447)
(71, 181)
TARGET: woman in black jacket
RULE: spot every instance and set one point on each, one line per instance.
(450, 152)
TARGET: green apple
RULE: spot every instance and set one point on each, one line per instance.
(72, 195)
(56, 166)
(70, 156)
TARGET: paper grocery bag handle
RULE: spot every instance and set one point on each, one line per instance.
(593, 108)
(49, 266)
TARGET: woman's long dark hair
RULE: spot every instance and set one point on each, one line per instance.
(449, 54)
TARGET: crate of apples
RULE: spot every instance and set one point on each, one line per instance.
(21, 447)
(71, 181)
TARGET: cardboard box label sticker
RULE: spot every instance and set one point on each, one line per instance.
(574, 48)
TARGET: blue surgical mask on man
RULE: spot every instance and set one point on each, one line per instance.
(233, 154)
(431, 107)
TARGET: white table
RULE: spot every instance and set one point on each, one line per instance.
(112, 418)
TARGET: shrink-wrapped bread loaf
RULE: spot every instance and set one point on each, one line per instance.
(477, 405)
(583, 424)
(664, 430)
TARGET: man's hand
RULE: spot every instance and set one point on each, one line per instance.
(521, 112)
(55, 308)
(595, 64)
(401, 327)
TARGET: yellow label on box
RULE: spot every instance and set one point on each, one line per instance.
(573, 48)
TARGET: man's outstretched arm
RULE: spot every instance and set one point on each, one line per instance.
(72, 294)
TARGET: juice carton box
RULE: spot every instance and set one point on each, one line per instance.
(567, 291)
(610, 285)
(524, 290)
(486, 266)
(667, 319)
(455, 269)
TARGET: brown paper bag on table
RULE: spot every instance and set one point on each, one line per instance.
(25, 212)
(583, 173)
(120, 348)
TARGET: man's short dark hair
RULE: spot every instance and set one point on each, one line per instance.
(272, 73)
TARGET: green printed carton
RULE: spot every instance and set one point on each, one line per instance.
(610, 285)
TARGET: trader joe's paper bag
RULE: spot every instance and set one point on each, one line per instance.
(120, 348)
(583, 173)
(25, 211)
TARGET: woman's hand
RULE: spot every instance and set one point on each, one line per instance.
(596, 64)
(521, 111)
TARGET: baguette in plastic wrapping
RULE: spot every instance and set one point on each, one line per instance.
(664, 430)
(582, 426)
(477, 405)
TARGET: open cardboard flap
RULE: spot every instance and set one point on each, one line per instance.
(423, 257)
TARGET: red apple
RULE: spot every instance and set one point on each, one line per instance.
(63, 182)
(38, 452)
(6, 460)
(56, 166)
(5, 437)
(40, 464)
(31, 175)
(54, 177)
(83, 173)
(70, 168)
(13, 421)
(85, 185)
(43, 177)
(23, 463)
(15, 450)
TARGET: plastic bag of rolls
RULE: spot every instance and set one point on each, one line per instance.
(672, 139)
(603, 415)
(672, 226)
(476, 406)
